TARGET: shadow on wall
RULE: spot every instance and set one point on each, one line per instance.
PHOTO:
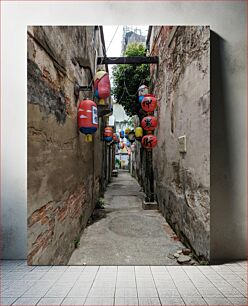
(225, 239)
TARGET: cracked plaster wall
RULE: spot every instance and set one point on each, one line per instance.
(64, 172)
(181, 84)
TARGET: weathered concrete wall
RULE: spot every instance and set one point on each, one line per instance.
(181, 84)
(64, 172)
(136, 164)
(143, 170)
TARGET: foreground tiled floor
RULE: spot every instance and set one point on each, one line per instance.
(123, 285)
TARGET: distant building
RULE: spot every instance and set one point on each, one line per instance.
(121, 118)
(132, 35)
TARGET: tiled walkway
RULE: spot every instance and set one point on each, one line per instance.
(123, 285)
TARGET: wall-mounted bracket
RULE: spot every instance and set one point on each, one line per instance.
(78, 88)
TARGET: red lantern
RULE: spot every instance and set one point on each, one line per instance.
(149, 103)
(115, 138)
(102, 85)
(108, 134)
(87, 118)
(149, 123)
(149, 141)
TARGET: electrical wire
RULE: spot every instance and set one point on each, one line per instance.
(112, 38)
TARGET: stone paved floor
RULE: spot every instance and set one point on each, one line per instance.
(123, 285)
(127, 235)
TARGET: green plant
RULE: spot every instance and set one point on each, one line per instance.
(76, 242)
(127, 78)
(100, 203)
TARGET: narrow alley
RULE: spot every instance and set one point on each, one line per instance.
(127, 233)
(112, 133)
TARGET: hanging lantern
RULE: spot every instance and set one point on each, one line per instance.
(115, 138)
(142, 91)
(127, 130)
(131, 136)
(138, 133)
(149, 103)
(108, 134)
(149, 123)
(101, 86)
(121, 134)
(118, 137)
(149, 141)
(87, 118)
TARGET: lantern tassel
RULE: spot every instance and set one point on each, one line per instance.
(88, 138)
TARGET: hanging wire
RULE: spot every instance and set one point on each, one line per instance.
(106, 50)
(112, 38)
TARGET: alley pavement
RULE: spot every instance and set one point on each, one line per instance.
(126, 234)
(123, 285)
